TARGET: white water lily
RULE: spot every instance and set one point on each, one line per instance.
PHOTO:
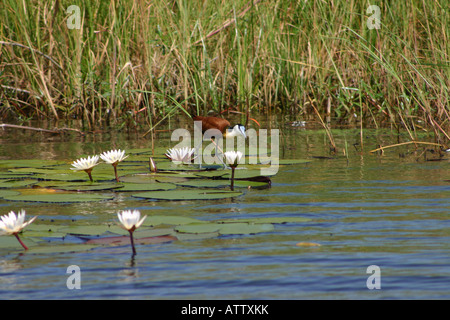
(86, 164)
(131, 220)
(179, 155)
(233, 158)
(11, 224)
(113, 157)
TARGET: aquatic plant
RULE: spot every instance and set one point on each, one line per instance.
(11, 224)
(85, 164)
(131, 220)
(113, 157)
(232, 158)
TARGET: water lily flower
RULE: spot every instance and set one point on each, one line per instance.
(11, 224)
(131, 220)
(113, 157)
(232, 158)
(86, 164)
(178, 155)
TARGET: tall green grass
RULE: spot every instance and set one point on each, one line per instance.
(131, 60)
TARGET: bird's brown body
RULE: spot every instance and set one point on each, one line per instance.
(212, 123)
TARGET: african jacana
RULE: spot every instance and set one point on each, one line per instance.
(223, 126)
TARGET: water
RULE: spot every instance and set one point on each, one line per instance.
(390, 211)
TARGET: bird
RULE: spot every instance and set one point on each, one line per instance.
(223, 125)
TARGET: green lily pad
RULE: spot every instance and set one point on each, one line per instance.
(200, 183)
(10, 242)
(225, 228)
(92, 230)
(91, 187)
(199, 228)
(154, 178)
(170, 166)
(125, 240)
(147, 186)
(26, 163)
(169, 220)
(201, 194)
(58, 197)
(16, 183)
(7, 193)
(62, 248)
(245, 228)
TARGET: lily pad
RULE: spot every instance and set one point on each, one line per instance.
(6, 193)
(147, 186)
(16, 183)
(25, 163)
(201, 194)
(10, 242)
(245, 228)
(58, 197)
(169, 220)
(199, 228)
(125, 240)
(89, 229)
(225, 228)
(90, 187)
(201, 183)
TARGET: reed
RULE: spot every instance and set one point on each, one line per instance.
(133, 59)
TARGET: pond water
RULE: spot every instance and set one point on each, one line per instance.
(391, 211)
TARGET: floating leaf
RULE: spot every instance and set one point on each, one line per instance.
(125, 240)
(245, 228)
(187, 195)
(147, 186)
(90, 187)
(10, 242)
(63, 248)
(170, 220)
(154, 178)
(225, 228)
(16, 183)
(26, 163)
(201, 183)
(58, 197)
(199, 228)
(6, 193)
(88, 229)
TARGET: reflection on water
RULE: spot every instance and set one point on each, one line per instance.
(389, 211)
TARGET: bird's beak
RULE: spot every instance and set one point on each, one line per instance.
(242, 129)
